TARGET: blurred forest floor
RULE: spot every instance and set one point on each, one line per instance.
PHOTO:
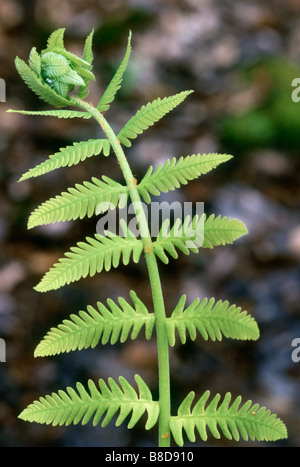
(240, 58)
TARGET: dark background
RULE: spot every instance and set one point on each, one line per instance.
(240, 58)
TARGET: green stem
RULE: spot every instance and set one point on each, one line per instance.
(157, 295)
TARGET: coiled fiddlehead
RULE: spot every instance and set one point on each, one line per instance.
(56, 72)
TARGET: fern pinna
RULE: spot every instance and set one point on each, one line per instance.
(62, 79)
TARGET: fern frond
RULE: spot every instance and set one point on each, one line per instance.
(53, 113)
(248, 421)
(222, 230)
(57, 66)
(191, 235)
(178, 172)
(72, 407)
(76, 62)
(88, 55)
(168, 240)
(80, 201)
(42, 90)
(115, 84)
(105, 323)
(34, 62)
(148, 115)
(91, 257)
(212, 320)
(70, 155)
(56, 40)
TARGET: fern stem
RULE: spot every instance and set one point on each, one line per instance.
(154, 277)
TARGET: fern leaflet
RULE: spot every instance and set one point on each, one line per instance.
(222, 230)
(191, 235)
(175, 172)
(56, 40)
(115, 84)
(43, 91)
(148, 115)
(54, 113)
(106, 323)
(248, 421)
(82, 200)
(70, 406)
(212, 320)
(34, 62)
(70, 155)
(88, 55)
(91, 257)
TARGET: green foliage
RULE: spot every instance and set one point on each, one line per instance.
(212, 320)
(106, 323)
(191, 235)
(248, 421)
(222, 230)
(35, 83)
(52, 75)
(71, 407)
(56, 39)
(115, 84)
(178, 172)
(148, 115)
(90, 257)
(88, 57)
(70, 155)
(53, 113)
(80, 201)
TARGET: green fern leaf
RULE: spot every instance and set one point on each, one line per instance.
(70, 155)
(91, 257)
(59, 74)
(212, 320)
(56, 40)
(178, 172)
(53, 113)
(115, 84)
(77, 73)
(72, 407)
(168, 240)
(248, 421)
(88, 55)
(76, 62)
(222, 230)
(148, 115)
(35, 62)
(42, 90)
(191, 235)
(106, 323)
(55, 65)
(80, 201)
